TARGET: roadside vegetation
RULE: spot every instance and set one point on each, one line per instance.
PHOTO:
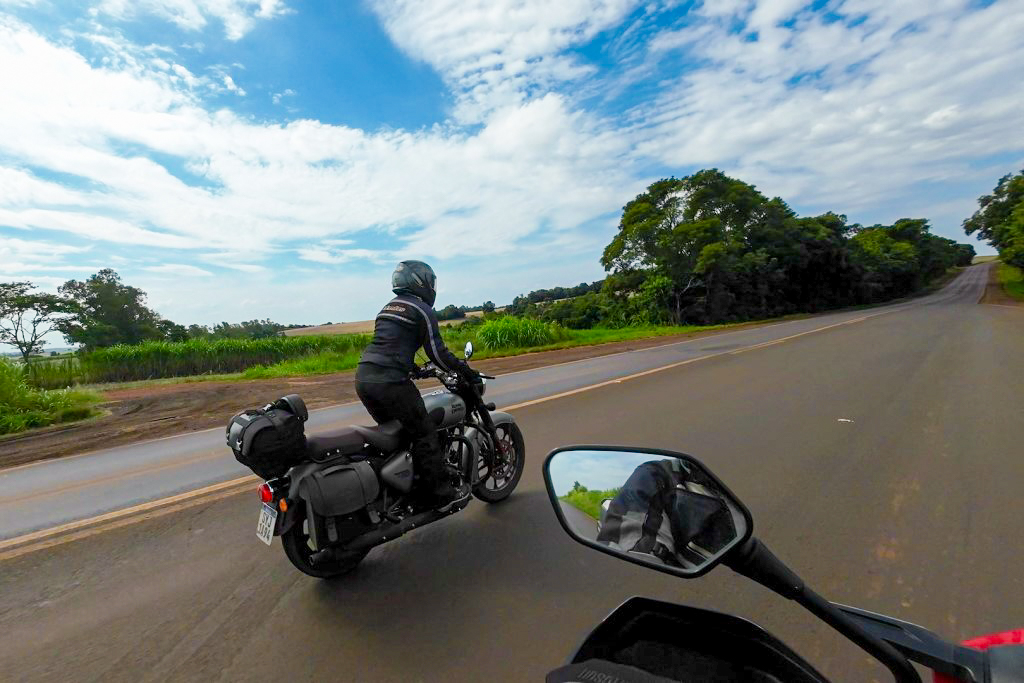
(1012, 280)
(1000, 220)
(586, 501)
(23, 406)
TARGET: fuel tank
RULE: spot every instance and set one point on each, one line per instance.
(444, 408)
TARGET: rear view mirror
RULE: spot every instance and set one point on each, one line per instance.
(660, 509)
(468, 353)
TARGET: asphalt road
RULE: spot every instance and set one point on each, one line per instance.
(60, 491)
(880, 458)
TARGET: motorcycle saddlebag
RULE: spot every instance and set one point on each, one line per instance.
(271, 439)
(341, 489)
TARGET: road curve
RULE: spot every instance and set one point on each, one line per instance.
(881, 459)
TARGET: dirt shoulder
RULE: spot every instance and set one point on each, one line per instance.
(143, 413)
(994, 292)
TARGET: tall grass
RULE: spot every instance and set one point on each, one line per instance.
(510, 331)
(23, 407)
(589, 502)
(157, 359)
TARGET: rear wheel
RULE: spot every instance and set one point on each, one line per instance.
(299, 549)
(497, 482)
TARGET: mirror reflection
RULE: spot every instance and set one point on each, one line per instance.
(468, 352)
(661, 510)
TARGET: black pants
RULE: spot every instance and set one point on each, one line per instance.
(386, 401)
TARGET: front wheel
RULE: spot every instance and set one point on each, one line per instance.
(497, 482)
(299, 549)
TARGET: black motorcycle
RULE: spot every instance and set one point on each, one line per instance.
(334, 495)
(668, 512)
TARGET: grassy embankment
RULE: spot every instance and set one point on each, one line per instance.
(1012, 280)
(589, 502)
(24, 407)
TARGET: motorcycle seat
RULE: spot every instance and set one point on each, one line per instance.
(351, 440)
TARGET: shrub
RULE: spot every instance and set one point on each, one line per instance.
(509, 331)
(24, 407)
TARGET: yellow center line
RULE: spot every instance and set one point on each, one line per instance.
(126, 512)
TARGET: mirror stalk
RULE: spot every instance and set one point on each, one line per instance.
(755, 561)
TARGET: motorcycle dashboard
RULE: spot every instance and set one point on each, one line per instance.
(660, 641)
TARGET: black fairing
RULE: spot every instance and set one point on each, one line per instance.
(691, 644)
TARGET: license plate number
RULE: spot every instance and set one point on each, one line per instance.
(265, 527)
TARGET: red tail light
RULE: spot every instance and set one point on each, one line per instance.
(266, 493)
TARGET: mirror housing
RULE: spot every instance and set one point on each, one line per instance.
(697, 520)
(468, 352)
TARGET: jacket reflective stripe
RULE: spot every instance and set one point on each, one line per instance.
(392, 316)
(433, 334)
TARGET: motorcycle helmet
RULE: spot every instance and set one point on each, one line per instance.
(416, 278)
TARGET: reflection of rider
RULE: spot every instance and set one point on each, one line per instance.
(670, 511)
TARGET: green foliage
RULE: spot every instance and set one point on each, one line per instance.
(450, 312)
(249, 329)
(588, 502)
(1000, 220)
(510, 331)
(708, 248)
(24, 407)
(1012, 280)
(109, 312)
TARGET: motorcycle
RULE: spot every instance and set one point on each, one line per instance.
(667, 511)
(352, 488)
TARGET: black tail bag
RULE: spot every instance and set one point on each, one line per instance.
(271, 439)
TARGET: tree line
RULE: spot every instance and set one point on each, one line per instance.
(100, 312)
(708, 248)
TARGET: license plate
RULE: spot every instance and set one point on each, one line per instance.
(265, 527)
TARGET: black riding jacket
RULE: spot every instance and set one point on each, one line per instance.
(405, 324)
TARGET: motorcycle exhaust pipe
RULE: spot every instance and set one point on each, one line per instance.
(384, 534)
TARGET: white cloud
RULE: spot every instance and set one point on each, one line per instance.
(495, 52)
(238, 16)
(848, 113)
(182, 269)
(261, 183)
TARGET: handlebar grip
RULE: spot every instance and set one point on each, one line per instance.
(488, 377)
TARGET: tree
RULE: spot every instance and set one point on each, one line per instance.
(26, 316)
(488, 307)
(1000, 220)
(108, 312)
(664, 231)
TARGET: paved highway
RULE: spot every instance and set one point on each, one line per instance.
(879, 452)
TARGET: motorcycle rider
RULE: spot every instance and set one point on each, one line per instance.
(668, 511)
(383, 384)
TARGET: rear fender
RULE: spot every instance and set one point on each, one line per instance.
(297, 509)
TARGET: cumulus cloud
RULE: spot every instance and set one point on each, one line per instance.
(253, 184)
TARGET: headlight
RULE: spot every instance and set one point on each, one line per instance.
(483, 386)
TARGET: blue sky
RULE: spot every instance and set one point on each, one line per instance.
(243, 159)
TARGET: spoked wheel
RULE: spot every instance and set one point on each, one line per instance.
(299, 549)
(498, 482)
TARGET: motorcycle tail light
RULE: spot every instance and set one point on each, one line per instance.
(266, 493)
